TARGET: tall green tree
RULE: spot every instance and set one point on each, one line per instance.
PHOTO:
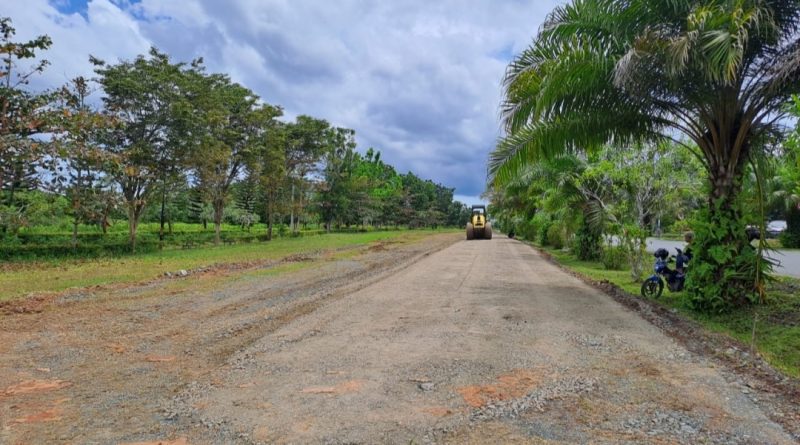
(307, 140)
(79, 170)
(789, 180)
(147, 98)
(717, 72)
(340, 187)
(229, 129)
(23, 114)
(268, 167)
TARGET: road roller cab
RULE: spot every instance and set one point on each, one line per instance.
(478, 226)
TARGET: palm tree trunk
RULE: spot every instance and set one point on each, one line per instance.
(723, 270)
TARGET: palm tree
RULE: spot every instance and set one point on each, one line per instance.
(713, 75)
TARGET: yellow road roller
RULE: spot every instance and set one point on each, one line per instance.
(478, 226)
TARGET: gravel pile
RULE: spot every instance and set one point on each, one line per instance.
(537, 399)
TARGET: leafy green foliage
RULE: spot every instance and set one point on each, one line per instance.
(587, 243)
(169, 133)
(777, 335)
(149, 100)
(22, 114)
(726, 271)
(718, 73)
(614, 258)
(555, 236)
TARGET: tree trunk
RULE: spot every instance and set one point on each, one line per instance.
(163, 208)
(104, 223)
(217, 229)
(725, 270)
(133, 224)
(270, 225)
(291, 212)
(218, 209)
(75, 223)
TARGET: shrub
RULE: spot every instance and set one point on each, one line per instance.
(555, 236)
(527, 229)
(680, 226)
(721, 244)
(586, 244)
(614, 258)
(543, 230)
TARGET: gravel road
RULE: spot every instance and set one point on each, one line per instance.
(483, 342)
(440, 341)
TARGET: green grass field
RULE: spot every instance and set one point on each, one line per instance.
(777, 332)
(23, 278)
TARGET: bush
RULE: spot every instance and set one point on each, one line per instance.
(527, 229)
(790, 238)
(680, 226)
(614, 258)
(555, 236)
(726, 271)
(586, 244)
(542, 230)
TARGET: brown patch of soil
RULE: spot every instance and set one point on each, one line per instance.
(160, 358)
(30, 386)
(438, 411)
(341, 388)
(178, 441)
(508, 386)
(31, 305)
(47, 415)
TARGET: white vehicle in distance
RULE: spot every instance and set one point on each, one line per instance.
(775, 228)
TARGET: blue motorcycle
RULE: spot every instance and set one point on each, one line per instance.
(654, 285)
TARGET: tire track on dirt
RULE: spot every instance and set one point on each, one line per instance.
(125, 358)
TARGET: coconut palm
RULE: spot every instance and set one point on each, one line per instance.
(713, 74)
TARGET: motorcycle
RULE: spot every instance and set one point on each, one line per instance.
(675, 279)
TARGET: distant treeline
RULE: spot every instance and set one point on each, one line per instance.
(168, 142)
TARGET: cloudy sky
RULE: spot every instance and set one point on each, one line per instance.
(417, 79)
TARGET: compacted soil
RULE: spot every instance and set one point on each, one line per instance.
(436, 341)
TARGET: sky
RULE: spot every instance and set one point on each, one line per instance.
(419, 80)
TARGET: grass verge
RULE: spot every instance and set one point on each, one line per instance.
(20, 279)
(772, 329)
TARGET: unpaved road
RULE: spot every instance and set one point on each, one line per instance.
(441, 341)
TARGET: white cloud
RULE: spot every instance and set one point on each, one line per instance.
(106, 32)
(418, 80)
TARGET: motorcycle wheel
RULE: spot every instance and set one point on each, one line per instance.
(652, 289)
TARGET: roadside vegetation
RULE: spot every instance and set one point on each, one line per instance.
(625, 120)
(628, 119)
(155, 154)
(773, 330)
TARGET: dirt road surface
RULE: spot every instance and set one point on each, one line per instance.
(440, 341)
